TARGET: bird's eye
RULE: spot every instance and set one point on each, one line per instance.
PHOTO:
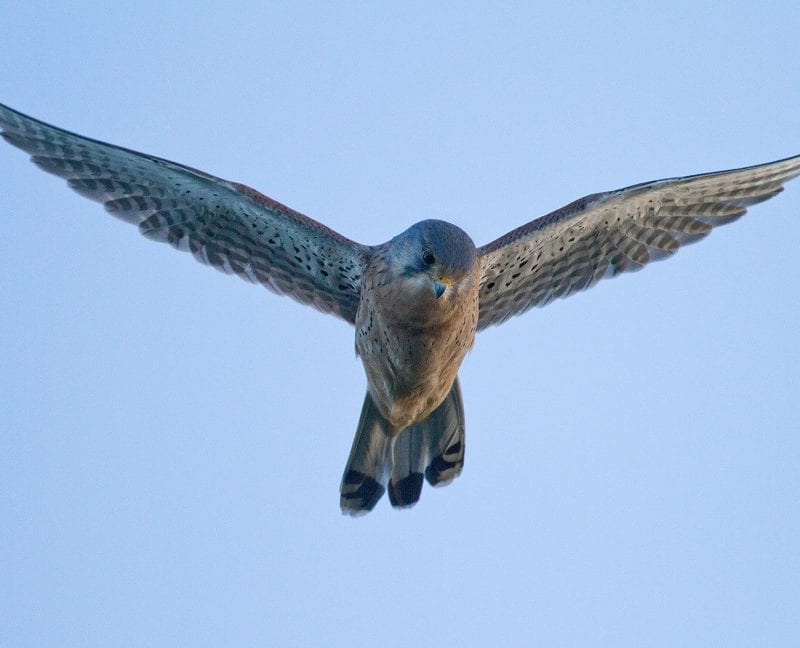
(428, 258)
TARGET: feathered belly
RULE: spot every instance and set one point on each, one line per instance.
(410, 373)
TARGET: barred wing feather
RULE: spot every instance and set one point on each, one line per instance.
(605, 234)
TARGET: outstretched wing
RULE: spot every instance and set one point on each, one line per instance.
(224, 224)
(608, 233)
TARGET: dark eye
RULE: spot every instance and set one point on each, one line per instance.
(428, 258)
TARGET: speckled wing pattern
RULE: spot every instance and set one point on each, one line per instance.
(605, 234)
(223, 224)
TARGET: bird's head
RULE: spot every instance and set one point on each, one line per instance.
(435, 259)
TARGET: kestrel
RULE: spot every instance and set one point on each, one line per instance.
(416, 301)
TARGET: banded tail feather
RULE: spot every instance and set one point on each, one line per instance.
(431, 451)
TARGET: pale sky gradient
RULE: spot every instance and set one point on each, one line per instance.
(173, 438)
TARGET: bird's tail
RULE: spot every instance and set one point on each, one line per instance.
(434, 448)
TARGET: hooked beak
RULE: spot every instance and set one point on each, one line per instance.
(439, 286)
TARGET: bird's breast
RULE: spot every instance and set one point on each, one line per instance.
(411, 363)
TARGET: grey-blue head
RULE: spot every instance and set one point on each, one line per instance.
(437, 249)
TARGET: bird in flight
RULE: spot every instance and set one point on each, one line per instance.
(416, 301)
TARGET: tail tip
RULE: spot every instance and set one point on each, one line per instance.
(447, 466)
(359, 493)
(405, 492)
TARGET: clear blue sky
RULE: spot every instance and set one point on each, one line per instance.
(173, 438)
